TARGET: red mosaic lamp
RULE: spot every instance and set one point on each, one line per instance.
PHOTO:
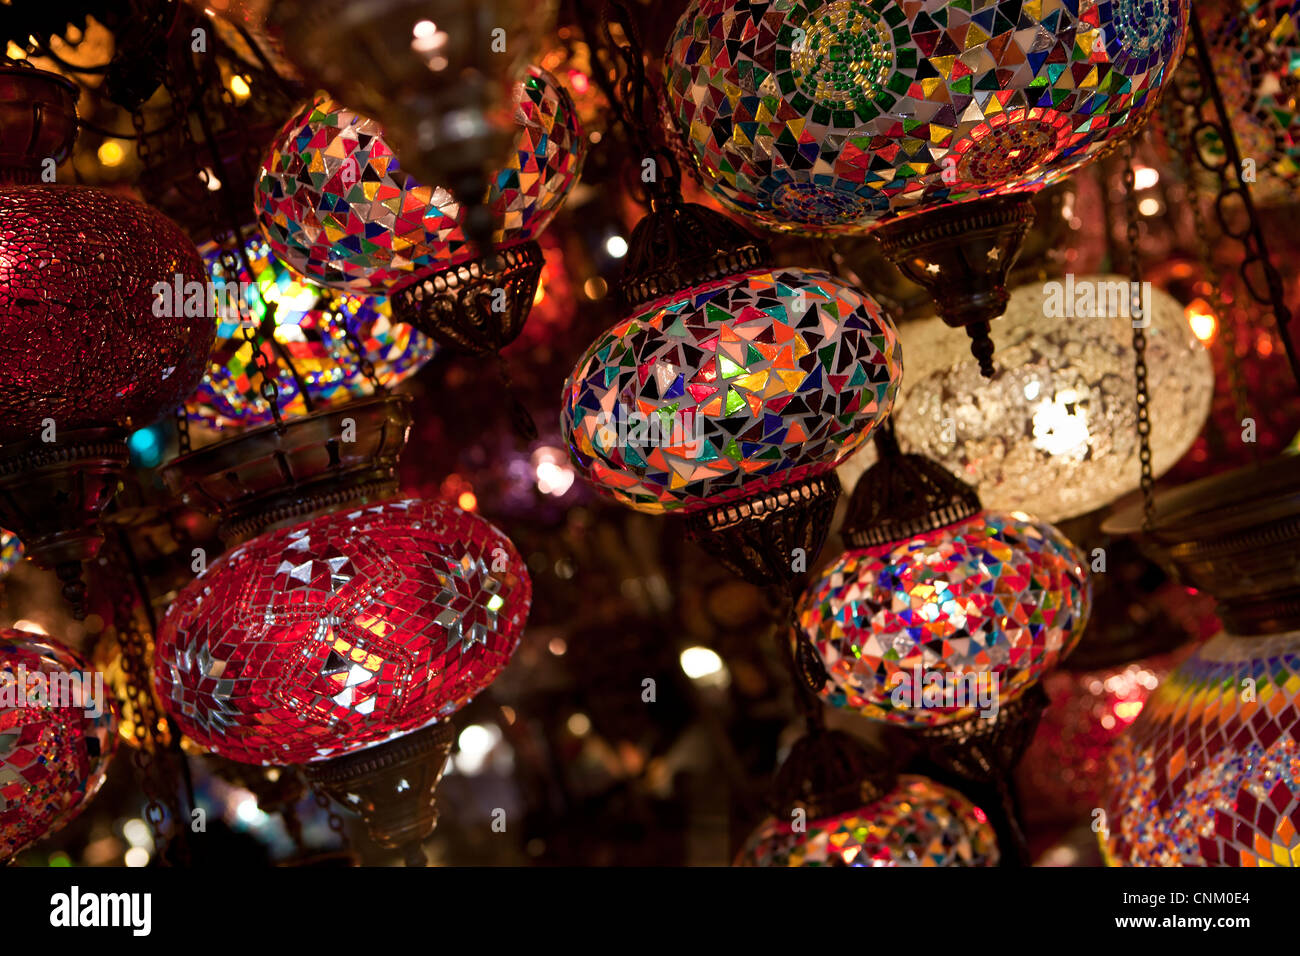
(54, 753)
(343, 643)
(83, 354)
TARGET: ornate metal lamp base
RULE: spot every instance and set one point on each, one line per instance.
(986, 749)
(827, 773)
(986, 752)
(392, 786)
(962, 255)
(1235, 536)
(901, 496)
(756, 538)
(52, 495)
(479, 306)
(276, 475)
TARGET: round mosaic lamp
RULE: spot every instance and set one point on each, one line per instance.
(344, 643)
(846, 115)
(336, 206)
(88, 349)
(334, 346)
(57, 733)
(1209, 774)
(944, 625)
(916, 823)
(1055, 434)
(942, 617)
(731, 389)
(834, 116)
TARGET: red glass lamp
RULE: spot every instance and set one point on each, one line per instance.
(344, 643)
(57, 733)
(85, 349)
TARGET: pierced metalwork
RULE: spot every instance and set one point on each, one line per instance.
(901, 496)
(392, 786)
(679, 245)
(962, 256)
(827, 773)
(479, 306)
(756, 538)
(271, 475)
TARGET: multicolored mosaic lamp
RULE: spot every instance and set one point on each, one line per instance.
(917, 823)
(1255, 51)
(929, 626)
(11, 551)
(325, 343)
(731, 389)
(1209, 775)
(942, 617)
(344, 643)
(54, 749)
(337, 207)
(436, 73)
(847, 115)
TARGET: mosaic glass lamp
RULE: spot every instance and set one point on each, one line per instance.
(336, 206)
(87, 348)
(344, 643)
(835, 116)
(321, 338)
(1055, 434)
(946, 625)
(442, 84)
(917, 823)
(326, 637)
(832, 116)
(730, 390)
(1209, 774)
(54, 751)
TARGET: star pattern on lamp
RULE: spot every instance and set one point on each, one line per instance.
(312, 641)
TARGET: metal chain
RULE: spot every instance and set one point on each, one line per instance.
(147, 750)
(364, 365)
(1252, 237)
(1136, 312)
(1178, 124)
(183, 445)
(625, 90)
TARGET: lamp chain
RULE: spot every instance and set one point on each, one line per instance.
(1178, 125)
(1140, 321)
(627, 94)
